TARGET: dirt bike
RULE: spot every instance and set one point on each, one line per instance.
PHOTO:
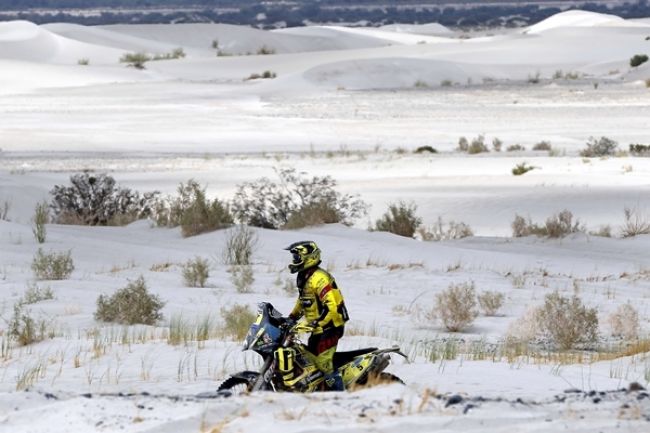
(289, 366)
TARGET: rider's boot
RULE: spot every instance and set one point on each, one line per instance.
(334, 381)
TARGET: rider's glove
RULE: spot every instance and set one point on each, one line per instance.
(316, 328)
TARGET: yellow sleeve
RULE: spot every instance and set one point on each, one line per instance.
(331, 306)
(296, 313)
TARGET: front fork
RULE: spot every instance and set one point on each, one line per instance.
(261, 379)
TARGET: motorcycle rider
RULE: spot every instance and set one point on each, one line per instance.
(321, 302)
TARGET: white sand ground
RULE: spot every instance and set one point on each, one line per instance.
(196, 117)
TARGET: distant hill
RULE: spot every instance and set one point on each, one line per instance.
(464, 14)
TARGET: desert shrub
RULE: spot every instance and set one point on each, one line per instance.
(4, 210)
(265, 203)
(625, 322)
(83, 62)
(638, 59)
(98, 200)
(456, 306)
(604, 231)
(534, 79)
(522, 227)
(557, 226)
(640, 149)
(130, 305)
(35, 294)
(490, 302)
(196, 272)
(522, 168)
(242, 278)
(446, 83)
(442, 232)
(237, 320)
(567, 322)
(135, 60)
(240, 243)
(525, 328)
(425, 149)
(635, 223)
(647, 82)
(264, 75)
(399, 219)
(602, 146)
(420, 84)
(497, 144)
(52, 266)
(264, 50)
(177, 53)
(312, 215)
(515, 148)
(41, 217)
(543, 145)
(477, 146)
(23, 328)
(463, 144)
(193, 211)
(561, 224)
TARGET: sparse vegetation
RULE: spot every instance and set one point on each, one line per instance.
(522, 168)
(497, 144)
(463, 144)
(41, 217)
(52, 266)
(635, 223)
(135, 60)
(83, 62)
(263, 75)
(98, 200)
(604, 231)
(543, 146)
(638, 60)
(399, 219)
(425, 149)
(446, 83)
(193, 211)
(534, 79)
(238, 319)
(240, 243)
(515, 148)
(625, 322)
(596, 147)
(557, 226)
(567, 322)
(264, 50)
(640, 149)
(4, 210)
(196, 272)
(477, 145)
(35, 294)
(419, 84)
(23, 328)
(491, 302)
(177, 53)
(265, 203)
(130, 305)
(456, 306)
(242, 278)
(443, 232)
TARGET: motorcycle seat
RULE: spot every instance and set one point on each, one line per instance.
(342, 358)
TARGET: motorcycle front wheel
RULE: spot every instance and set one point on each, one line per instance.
(240, 383)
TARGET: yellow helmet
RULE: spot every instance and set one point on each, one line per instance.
(305, 254)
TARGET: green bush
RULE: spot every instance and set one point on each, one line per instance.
(41, 217)
(130, 305)
(238, 319)
(192, 211)
(35, 294)
(515, 148)
(135, 60)
(567, 322)
(556, 226)
(522, 168)
(52, 266)
(477, 146)
(400, 219)
(638, 59)
(640, 149)
(24, 329)
(196, 272)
